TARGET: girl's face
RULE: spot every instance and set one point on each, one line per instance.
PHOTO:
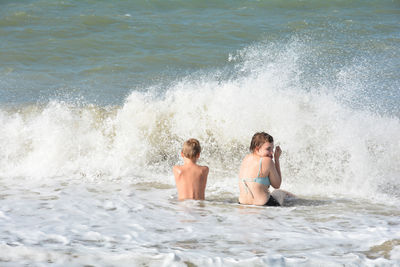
(266, 150)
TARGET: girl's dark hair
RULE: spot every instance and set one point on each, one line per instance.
(259, 139)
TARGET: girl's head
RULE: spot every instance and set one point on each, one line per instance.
(262, 144)
(191, 149)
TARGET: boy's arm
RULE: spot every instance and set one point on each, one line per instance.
(177, 171)
(205, 175)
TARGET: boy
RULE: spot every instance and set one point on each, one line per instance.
(190, 178)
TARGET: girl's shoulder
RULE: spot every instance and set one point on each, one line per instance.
(267, 161)
(249, 157)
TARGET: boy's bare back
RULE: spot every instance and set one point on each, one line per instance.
(190, 178)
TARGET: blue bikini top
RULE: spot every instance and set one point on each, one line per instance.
(261, 180)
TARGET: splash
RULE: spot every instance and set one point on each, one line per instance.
(331, 147)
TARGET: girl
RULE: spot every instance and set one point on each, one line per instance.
(259, 171)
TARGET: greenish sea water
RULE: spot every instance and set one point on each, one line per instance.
(101, 51)
(97, 97)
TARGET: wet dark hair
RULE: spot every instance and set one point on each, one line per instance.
(259, 139)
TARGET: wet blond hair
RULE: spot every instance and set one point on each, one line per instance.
(191, 148)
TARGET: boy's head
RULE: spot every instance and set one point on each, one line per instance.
(191, 149)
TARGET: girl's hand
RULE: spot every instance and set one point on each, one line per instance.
(277, 152)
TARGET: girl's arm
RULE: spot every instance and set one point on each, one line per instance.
(275, 176)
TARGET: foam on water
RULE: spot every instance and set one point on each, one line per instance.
(120, 223)
(88, 185)
(330, 147)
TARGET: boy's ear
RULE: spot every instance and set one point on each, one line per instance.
(182, 155)
(198, 156)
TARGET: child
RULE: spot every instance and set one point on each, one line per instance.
(190, 178)
(261, 169)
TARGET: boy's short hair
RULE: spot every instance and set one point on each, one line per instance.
(191, 148)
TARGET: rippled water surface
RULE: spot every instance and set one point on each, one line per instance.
(97, 97)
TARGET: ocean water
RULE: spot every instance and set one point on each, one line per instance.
(97, 97)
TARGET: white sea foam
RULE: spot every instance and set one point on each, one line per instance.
(89, 185)
(80, 229)
(330, 148)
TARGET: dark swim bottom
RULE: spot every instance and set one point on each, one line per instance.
(272, 202)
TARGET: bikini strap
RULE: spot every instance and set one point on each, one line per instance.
(247, 187)
(259, 169)
(258, 176)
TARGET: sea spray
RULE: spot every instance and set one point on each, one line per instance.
(96, 101)
(330, 147)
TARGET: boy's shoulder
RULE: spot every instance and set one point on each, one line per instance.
(180, 168)
(177, 169)
(204, 167)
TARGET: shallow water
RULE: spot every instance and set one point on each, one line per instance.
(97, 97)
(120, 223)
